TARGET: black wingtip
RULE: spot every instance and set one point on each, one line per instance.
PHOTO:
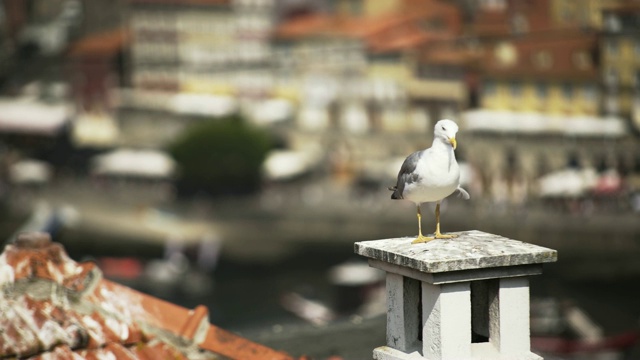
(395, 195)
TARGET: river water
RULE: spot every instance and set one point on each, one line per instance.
(246, 298)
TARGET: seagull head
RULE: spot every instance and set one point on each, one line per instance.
(446, 130)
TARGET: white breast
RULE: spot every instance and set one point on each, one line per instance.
(439, 177)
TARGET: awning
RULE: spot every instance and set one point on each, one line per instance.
(484, 120)
(30, 171)
(567, 182)
(287, 164)
(135, 163)
(25, 115)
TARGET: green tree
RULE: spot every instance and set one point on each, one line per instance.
(220, 156)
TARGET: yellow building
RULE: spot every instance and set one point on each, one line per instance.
(536, 74)
(620, 58)
(581, 12)
(363, 66)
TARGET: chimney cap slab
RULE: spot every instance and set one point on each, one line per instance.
(469, 250)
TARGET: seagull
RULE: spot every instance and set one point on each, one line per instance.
(431, 175)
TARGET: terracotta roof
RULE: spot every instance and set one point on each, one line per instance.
(404, 29)
(410, 28)
(54, 308)
(101, 44)
(370, 26)
(408, 38)
(449, 54)
(182, 2)
(307, 25)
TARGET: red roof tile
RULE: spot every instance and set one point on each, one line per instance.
(54, 308)
(302, 26)
(182, 2)
(101, 44)
(406, 28)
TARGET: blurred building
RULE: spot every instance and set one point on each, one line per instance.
(359, 74)
(548, 74)
(352, 75)
(100, 16)
(94, 65)
(619, 52)
(193, 59)
(43, 26)
(212, 47)
(541, 77)
(538, 57)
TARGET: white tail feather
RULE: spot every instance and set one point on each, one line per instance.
(463, 193)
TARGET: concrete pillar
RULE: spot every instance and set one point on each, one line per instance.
(509, 316)
(403, 322)
(446, 314)
(463, 298)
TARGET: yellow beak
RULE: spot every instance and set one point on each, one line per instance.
(453, 143)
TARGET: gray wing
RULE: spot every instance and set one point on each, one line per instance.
(406, 174)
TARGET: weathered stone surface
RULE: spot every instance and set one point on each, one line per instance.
(470, 250)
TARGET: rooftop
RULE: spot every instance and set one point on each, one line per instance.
(407, 28)
(55, 308)
(181, 2)
(100, 44)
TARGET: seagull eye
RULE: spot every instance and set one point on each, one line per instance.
(444, 128)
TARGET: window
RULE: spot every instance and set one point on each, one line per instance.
(582, 60)
(612, 47)
(516, 88)
(489, 87)
(541, 90)
(612, 23)
(567, 91)
(590, 92)
(519, 24)
(506, 54)
(611, 105)
(611, 76)
(542, 59)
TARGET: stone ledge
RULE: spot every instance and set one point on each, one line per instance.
(482, 351)
(470, 250)
(461, 275)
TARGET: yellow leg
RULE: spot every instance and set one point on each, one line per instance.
(439, 235)
(421, 238)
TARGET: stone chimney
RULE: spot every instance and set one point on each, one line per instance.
(462, 298)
